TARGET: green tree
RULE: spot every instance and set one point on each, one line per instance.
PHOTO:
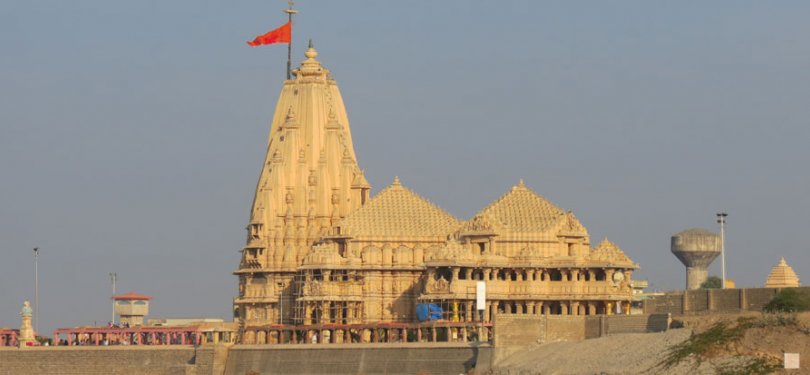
(789, 300)
(712, 282)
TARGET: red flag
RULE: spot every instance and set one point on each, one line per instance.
(281, 35)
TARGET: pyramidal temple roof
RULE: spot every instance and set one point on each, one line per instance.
(782, 276)
(523, 211)
(398, 211)
(609, 252)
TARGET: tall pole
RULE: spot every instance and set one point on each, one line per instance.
(281, 303)
(113, 278)
(36, 290)
(290, 11)
(721, 219)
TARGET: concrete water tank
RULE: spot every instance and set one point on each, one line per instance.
(696, 249)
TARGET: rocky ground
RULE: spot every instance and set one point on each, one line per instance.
(766, 338)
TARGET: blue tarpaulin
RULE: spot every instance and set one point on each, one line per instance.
(428, 311)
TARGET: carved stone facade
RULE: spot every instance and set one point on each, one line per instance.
(319, 250)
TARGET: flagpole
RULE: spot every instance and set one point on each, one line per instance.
(290, 11)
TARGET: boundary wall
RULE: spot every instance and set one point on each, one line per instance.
(405, 358)
(515, 332)
(92, 360)
(707, 301)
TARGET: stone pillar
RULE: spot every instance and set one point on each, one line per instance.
(455, 274)
(470, 313)
(591, 308)
(487, 274)
(488, 312)
(563, 308)
(538, 308)
(307, 313)
(325, 312)
(338, 336)
(575, 308)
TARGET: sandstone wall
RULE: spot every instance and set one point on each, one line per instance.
(515, 332)
(433, 359)
(85, 360)
(703, 301)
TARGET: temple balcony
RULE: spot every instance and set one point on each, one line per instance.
(509, 289)
(332, 290)
(260, 291)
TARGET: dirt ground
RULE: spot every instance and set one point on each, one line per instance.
(641, 353)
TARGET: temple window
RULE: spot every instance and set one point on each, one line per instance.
(317, 275)
(444, 272)
(462, 275)
(482, 247)
(255, 231)
(571, 250)
(556, 275)
(513, 276)
(342, 248)
(600, 275)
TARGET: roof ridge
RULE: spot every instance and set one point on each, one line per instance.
(517, 188)
(402, 199)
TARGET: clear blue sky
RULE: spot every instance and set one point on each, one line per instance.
(132, 133)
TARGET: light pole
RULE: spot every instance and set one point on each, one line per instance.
(36, 290)
(721, 219)
(281, 303)
(113, 278)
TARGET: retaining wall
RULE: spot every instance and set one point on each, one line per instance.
(433, 359)
(107, 360)
(515, 332)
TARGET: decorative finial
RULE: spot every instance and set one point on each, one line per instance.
(311, 53)
(396, 181)
(521, 184)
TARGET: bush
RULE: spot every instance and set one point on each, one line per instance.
(789, 300)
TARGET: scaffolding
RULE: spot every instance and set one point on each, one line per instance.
(327, 296)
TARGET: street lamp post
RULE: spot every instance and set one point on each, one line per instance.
(721, 219)
(36, 290)
(113, 278)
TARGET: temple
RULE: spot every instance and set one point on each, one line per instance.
(782, 276)
(320, 250)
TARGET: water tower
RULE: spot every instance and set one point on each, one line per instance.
(696, 248)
